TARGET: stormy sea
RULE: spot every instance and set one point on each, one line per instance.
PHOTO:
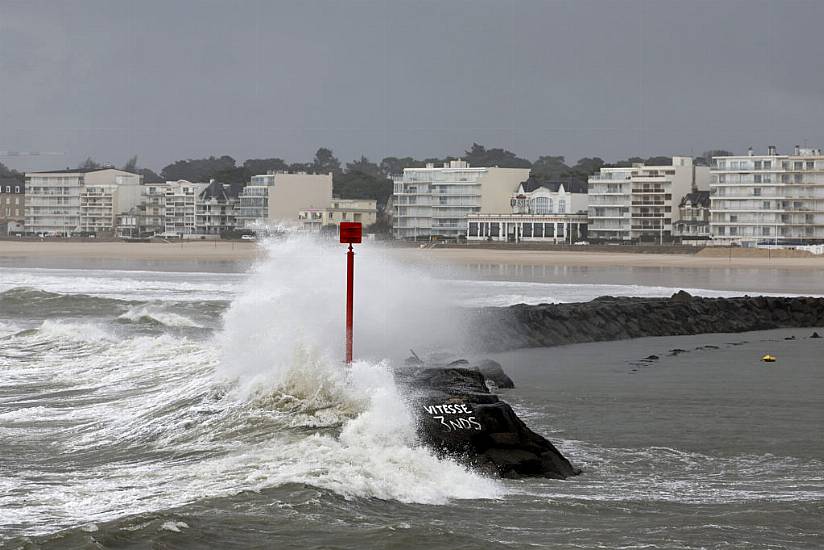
(163, 409)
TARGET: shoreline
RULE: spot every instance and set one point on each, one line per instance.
(244, 251)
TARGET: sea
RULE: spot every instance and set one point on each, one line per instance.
(208, 406)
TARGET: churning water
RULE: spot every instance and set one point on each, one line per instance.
(197, 409)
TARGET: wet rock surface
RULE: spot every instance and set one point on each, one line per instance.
(610, 318)
(460, 417)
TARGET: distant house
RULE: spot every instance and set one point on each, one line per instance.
(693, 216)
(542, 211)
(12, 205)
(215, 209)
(280, 196)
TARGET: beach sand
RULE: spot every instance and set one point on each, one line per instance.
(245, 251)
(718, 258)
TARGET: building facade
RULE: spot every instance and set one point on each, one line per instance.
(639, 202)
(66, 201)
(215, 209)
(768, 198)
(280, 196)
(436, 201)
(180, 208)
(540, 212)
(12, 205)
(340, 210)
(693, 217)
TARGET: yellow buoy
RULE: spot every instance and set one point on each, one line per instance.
(768, 358)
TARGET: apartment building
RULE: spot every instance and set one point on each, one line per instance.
(151, 212)
(180, 207)
(215, 209)
(768, 198)
(364, 211)
(280, 196)
(70, 201)
(640, 202)
(436, 201)
(12, 205)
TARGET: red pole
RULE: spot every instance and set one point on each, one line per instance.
(350, 292)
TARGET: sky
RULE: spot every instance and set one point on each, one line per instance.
(173, 79)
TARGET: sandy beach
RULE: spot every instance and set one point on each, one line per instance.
(244, 251)
(708, 258)
(221, 251)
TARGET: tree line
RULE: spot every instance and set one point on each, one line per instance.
(364, 179)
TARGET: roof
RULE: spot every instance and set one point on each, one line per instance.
(214, 191)
(571, 185)
(74, 170)
(697, 198)
(13, 182)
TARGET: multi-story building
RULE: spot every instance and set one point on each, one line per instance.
(693, 217)
(12, 205)
(215, 209)
(772, 198)
(637, 203)
(66, 201)
(364, 211)
(180, 208)
(151, 212)
(280, 196)
(436, 201)
(541, 211)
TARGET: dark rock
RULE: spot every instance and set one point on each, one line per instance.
(492, 370)
(677, 351)
(815, 335)
(611, 318)
(460, 418)
(652, 358)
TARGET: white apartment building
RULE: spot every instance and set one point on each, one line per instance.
(436, 201)
(768, 198)
(151, 212)
(280, 196)
(364, 211)
(180, 208)
(68, 201)
(640, 202)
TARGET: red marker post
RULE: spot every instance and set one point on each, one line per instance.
(350, 233)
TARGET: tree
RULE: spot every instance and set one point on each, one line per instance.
(149, 176)
(262, 166)
(706, 157)
(6, 172)
(360, 185)
(364, 166)
(131, 165)
(325, 162)
(391, 166)
(197, 170)
(550, 167)
(89, 164)
(478, 155)
(587, 166)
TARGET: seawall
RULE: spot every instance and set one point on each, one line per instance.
(609, 318)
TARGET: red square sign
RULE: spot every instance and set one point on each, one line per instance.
(351, 232)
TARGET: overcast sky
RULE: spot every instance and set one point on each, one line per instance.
(258, 78)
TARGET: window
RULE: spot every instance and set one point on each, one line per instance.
(809, 165)
(797, 178)
(798, 165)
(765, 205)
(562, 206)
(541, 205)
(756, 192)
(733, 231)
(722, 178)
(767, 164)
(757, 178)
(733, 219)
(758, 165)
(765, 231)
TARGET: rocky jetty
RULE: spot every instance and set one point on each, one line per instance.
(460, 417)
(609, 318)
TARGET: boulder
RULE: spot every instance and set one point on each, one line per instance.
(459, 417)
